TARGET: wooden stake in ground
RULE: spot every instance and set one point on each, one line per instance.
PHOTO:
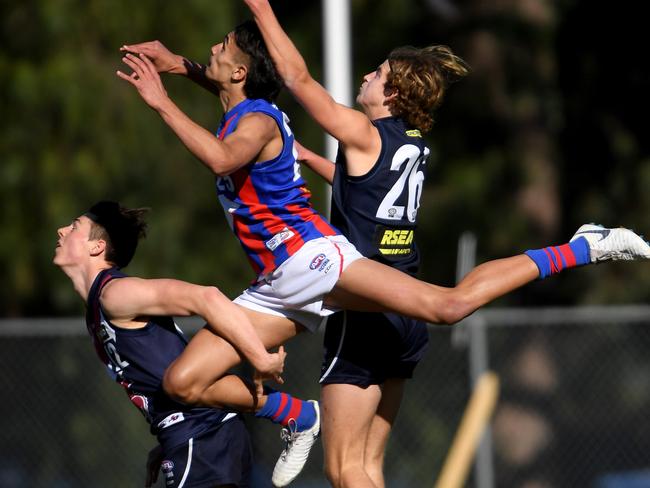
(477, 414)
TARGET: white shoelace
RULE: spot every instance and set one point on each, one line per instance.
(288, 435)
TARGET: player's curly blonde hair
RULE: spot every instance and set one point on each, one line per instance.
(420, 77)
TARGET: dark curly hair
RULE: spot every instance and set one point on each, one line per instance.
(262, 80)
(120, 227)
(420, 77)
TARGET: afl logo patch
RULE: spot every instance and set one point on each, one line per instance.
(317, 261)
(167, 466)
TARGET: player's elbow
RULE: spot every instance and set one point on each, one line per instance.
(220, 162)
(452, 310)
(179, 386)
(213, 298)
(221, 171)
(219, 168)
(439, 305)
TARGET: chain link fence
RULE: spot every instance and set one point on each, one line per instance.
(573, 409)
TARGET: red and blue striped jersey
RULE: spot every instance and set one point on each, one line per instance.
(267, 203)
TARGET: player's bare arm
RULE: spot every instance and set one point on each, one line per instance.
(162, 58)
(243, 146)
(323, 167)
(349, 126)
(129, 301)
(256, 138)
(166, 61)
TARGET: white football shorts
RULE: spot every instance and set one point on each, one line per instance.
(297, 287)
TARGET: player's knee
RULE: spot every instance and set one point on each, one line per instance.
(342, 474)
(332, 476)
(179, 386)
(332, 468)
(373, 462)
(353, 475)
(374, 468)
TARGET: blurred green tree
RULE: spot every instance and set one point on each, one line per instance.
(546, 132)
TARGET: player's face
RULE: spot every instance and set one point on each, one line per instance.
(372, 91)
(73, 244)
(223, 60)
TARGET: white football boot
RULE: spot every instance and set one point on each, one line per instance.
(296, 452)
(612, 244)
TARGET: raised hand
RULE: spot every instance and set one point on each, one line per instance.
(302, 153)
(145, 79)
(162, 58)
(320, 165)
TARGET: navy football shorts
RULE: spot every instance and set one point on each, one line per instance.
(219, 456)
(363, 348)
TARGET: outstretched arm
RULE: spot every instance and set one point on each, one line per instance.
(128, 299)
(253, 132)
(166, 61)
(323, 167)
(351, 127)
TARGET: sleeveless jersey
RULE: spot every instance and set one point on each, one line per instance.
(268, 204)
(384, 231)
(137, 359)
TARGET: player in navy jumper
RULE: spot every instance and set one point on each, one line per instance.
(363, 375)
(376, 190)
(129, 321)
(303, 276)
